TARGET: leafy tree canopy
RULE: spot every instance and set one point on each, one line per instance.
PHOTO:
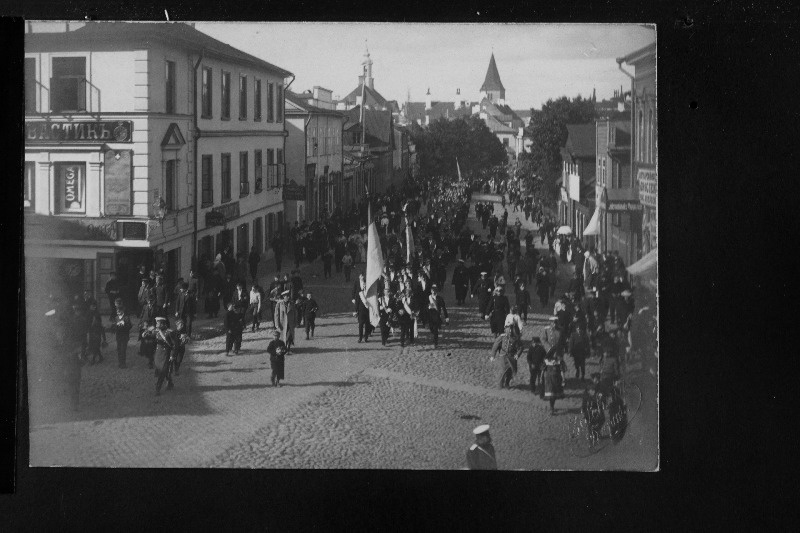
(548, 132)
(468, 139)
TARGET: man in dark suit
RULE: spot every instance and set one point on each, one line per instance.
(185, 307)
(310, 309)
(535, 356)
(481, 455)
(497, 311)
(461, 282)
(240, 299)
(483, 289)
(234, 324)
(361, 309)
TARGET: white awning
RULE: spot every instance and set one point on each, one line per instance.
(593, 227)
(646, 265)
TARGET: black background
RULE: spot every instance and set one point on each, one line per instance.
(728, 120)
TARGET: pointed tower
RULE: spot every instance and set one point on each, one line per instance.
(492, 86)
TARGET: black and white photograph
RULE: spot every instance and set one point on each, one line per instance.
(369, 246)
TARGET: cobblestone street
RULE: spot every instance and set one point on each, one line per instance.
(343, 404)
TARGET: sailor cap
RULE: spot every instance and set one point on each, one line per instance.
(481, 429)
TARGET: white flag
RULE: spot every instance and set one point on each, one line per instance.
(458, 167)
(374, 269)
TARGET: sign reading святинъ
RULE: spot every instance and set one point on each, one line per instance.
(47, 131)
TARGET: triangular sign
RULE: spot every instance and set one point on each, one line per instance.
(173, 138)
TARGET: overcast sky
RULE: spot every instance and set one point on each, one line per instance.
(536, 61)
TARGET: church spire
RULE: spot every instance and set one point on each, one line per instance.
(367, 63)
(492, 85)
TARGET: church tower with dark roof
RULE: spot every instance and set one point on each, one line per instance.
(492, 86)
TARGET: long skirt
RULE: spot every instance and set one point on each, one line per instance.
(497, 323)
(553, 387)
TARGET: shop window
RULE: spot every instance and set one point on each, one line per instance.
(270, 102)
(207, 180)
(171, 86)
(225, 114)
(170, 188)
(257, 165)
(70, 188)
(242, 97)
(68, 85)
(29, 185)
(244, 179)
(257, 100)
(30, 85)
(225, 168)
(207, 92)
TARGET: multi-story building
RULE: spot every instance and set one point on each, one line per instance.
(617, 200)
(577, 177)
(136, 134)
(314, 155)
(644, 148)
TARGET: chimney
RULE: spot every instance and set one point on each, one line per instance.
(428, 103)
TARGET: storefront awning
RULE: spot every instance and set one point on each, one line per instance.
(593, 227)
(646, 266)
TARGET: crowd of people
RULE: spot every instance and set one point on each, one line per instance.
(593, 318)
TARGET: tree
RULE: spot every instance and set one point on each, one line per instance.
(468, 139)
(548, 132)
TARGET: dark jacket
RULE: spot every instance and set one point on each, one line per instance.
(536, 355)
(233, 322)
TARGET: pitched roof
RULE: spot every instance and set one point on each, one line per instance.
(581, 140)
(174, 33)
(305, 107)
(492, 81)
(496, 126)
(378, 126)
(371, 97)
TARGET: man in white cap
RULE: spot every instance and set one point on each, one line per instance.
(480, 455)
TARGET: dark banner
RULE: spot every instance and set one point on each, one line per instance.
(118, 182)
(46, 131)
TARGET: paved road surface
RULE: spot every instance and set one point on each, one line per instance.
(343, 404)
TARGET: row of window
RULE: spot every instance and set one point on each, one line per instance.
(274, 97)
(209, 246)
(274, 174)
(70, 180)
(646, 137)
(323, 141)
(69, 86)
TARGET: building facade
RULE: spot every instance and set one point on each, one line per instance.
(644, 149)
(135, 133)
(577, 177)
(619, 211)
(314, 155)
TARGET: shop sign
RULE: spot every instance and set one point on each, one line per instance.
(222, 214)
(48, 131)
(118, 177)
(71, 193)
(616, 207)
(648, 186)
(574, 187)
(293, 191)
